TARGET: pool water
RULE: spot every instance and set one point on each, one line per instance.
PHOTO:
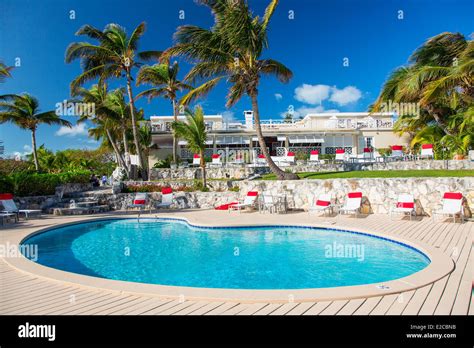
(171, 252)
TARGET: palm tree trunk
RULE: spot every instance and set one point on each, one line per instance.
(33, 144)
(203, 168)
(125, 147)
(281, 175)
(175, 138)
(120, 159)
(134, 124)
(438, 119)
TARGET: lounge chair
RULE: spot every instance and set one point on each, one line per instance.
(261, 160)
(6, 216)
(314, 156)
(452, 206)
(166, 198)
(322, 204)
(352, 203)
(340, 155)
(196, 160)
(9, 206)
(368, 154)
(397, 152)
(216, 160)
(248, 202)
(405, 205)
(290, 158)
(140, 201)
(426, 151)
(268, 204)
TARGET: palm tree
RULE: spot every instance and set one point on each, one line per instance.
(194, 132)
(439, 78)
(114, 56)
(231, 50)
(107, 121)
(164, 78)
(23, 111)
(4, 72)
(144, 133)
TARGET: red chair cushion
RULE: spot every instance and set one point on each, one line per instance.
(427, 146)
(452, 195)
(196, 156)
(397, 147)
(322, 203)
(216, 156)
(5, 196)
(367, 149)
(225, 206)
(355, 195)
(252, 193)
(261, 156)
(290, 153)
(410, 205)
(139, 201)
(340, 151)
(166, 190)
(314, 152)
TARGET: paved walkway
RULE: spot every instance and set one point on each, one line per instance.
(25, 293)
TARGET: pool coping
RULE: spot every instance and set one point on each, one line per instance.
(440, 265)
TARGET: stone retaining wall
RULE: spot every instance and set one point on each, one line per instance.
(245, 171)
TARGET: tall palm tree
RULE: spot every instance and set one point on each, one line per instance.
(4, 71)
(114, 56)
(194, 132)
(231, 50)
(164, 79)
(144, 133)
(23, 110)
(439, 78)
(108, 122)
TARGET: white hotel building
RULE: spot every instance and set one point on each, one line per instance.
(325, 132)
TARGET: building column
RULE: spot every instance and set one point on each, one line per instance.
(355, 144)
(251, 159)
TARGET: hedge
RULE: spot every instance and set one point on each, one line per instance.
(33, 184)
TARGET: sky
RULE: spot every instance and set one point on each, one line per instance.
(340, 52)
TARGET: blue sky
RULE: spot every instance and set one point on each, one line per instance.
(313, 45)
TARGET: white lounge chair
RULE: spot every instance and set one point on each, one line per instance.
(352, 203)
(268, 203)
(397, 152)
(340, 155)
(216, 160)
(140, 201)
(290, 158)
(452, 206)
(261, 160)
(405, 205)
(166, 198)
(426, 151)
(314, 156)
(322, 204)
(6, 216)
(368, 154)
(248, 202)
(9, 206)
(196, 160)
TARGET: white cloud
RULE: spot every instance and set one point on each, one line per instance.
(347, 95)
(17, 154)
(312, 94)
(278, 96)
(76, 130)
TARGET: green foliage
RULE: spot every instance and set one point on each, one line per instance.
(386, 151)
(155, 188)
(34, 184)
(234, 189)
(164, 163)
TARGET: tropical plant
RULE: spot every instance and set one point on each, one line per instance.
(231, 50)
(439, 79)
(114, 56)
(194, 132)
(23, 110)
(4, 72)
(164, 78)
(106, 120)
(144, 134)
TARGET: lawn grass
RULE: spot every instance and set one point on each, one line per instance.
(380, 174)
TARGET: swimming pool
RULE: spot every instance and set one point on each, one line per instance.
(172, 252)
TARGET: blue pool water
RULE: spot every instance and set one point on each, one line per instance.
(274, 257)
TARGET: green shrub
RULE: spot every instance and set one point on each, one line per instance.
(34, 184)
(234, 188)
(6, 184)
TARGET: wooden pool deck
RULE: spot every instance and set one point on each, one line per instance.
(29, 294)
